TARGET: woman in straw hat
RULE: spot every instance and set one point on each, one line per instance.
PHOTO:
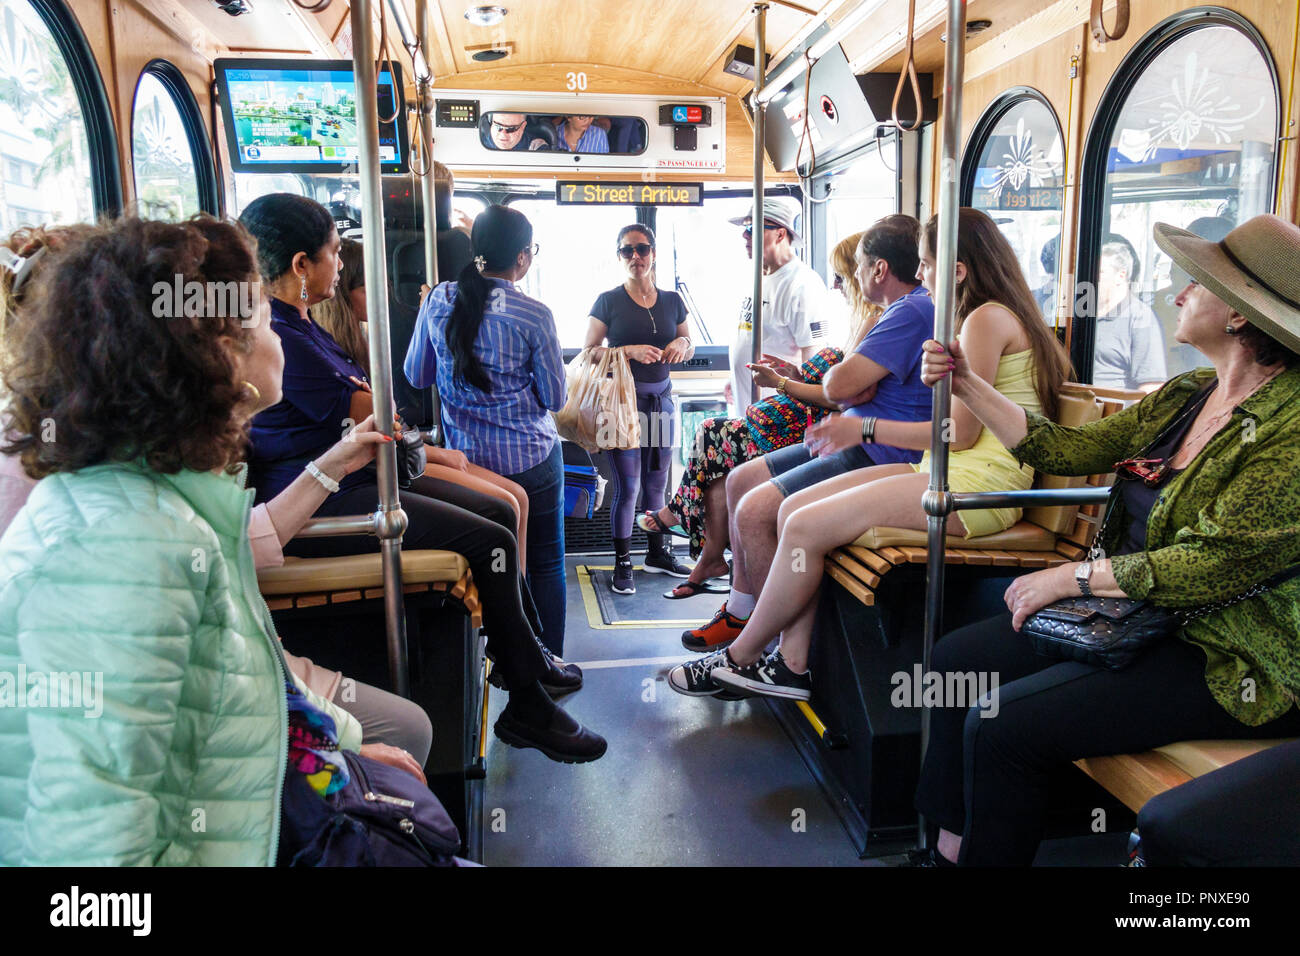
(1207, 506)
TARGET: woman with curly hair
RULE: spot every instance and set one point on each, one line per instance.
(699, 507)
(140, 514)
(398, 728)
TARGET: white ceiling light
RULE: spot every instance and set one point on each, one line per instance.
(486, 16)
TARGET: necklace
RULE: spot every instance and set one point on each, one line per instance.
(1216, 421)
(654, 327)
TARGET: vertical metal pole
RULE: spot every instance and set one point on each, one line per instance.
(391, 521)
(756, 240)
(937, 504)
(424, 90)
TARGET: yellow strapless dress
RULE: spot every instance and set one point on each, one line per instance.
(986, 465)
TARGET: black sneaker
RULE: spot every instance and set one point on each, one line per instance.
(692, 678)
(766, 677)
(623, 583)
(665, 562)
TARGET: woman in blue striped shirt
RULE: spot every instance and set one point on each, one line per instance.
(495, 356)
(580, 134)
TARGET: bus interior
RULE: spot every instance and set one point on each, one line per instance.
(1075, 146)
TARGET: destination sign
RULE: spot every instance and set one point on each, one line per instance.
(1009, 200)
(629, 194)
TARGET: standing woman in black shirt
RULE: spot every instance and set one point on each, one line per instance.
(649, 325)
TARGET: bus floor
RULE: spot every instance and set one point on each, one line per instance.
(685, 782)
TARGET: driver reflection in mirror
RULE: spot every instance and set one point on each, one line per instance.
(507, 132)
(579, 134)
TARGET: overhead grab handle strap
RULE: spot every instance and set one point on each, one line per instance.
(909, 72)
(1099, 31)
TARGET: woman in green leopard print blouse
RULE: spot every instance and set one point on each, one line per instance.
(1217, 513)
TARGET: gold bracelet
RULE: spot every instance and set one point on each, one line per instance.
(780, 386)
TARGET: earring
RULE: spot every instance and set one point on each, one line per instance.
(257, 395)
(1231, 329)
(303, 294)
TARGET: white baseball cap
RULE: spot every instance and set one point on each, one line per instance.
(779, 210)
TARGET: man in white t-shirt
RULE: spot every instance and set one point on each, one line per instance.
(796, 309)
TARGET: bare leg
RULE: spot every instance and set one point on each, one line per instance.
(490, 483)
(739, 483)
(949, 846)
(511, 490)
(755, 527)
(809, 534)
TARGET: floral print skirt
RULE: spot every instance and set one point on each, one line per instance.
(720, 445)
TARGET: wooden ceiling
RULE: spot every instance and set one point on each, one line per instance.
(685, 40)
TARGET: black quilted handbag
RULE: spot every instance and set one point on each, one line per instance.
(1111, 632)
(1107, 632)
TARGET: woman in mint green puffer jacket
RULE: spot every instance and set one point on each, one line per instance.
(128, 575)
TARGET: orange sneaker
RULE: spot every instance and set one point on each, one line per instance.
(719, 632)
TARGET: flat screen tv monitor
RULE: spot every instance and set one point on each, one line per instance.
(300, 116)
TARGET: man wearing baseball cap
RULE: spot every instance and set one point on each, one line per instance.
(795, 301)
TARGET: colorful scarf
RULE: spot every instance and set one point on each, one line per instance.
(314, 744)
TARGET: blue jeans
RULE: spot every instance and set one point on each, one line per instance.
(794, 468)
(545, 486)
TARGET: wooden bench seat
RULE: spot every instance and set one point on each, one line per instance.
(1044, 538)
(313, 582)
(1135, 778)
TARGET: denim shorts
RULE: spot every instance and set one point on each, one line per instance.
(794, 468)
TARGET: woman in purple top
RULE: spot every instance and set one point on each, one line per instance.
(649, 325)
(323, 392)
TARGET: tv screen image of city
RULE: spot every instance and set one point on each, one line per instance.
(303, 117)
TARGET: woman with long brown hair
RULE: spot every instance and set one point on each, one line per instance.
(1007, 344)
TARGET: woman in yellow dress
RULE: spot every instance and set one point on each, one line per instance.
(1002, 332)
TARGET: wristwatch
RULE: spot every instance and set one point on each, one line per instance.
(780, 386)
(1081, 575)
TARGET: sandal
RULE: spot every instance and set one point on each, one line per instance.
(649, 522)
(692, 588)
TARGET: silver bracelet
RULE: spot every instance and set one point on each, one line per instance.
(329, 483)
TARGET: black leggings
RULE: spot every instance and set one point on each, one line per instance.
(986, 777)
(449, 517)
(1246, 814)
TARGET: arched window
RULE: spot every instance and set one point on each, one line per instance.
(58, 150)
(1185, 133)
(174, 175)
(1014, 169)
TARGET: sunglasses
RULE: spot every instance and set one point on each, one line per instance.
(508, 129)
(1152, 472)
(767, 225)
(533, 249)
(642, 249)
(838, 282)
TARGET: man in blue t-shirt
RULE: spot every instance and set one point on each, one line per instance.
(881, 378)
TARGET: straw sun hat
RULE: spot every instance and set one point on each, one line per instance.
(1255, 270)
